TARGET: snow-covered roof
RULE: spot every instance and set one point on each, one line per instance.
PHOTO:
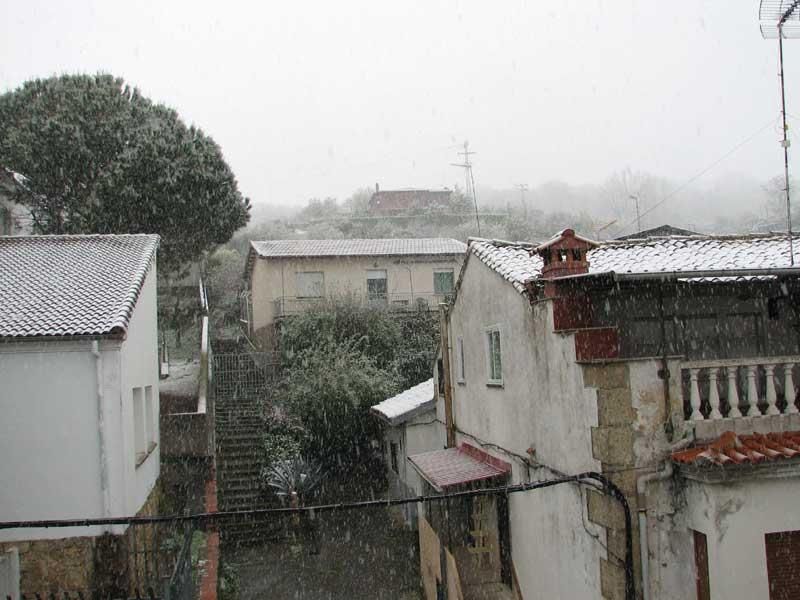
(406, 405)
(516, 263)
(376, 247)
(68, 285)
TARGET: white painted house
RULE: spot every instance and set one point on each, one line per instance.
(411, 427)
(667, 365)
(79, 403)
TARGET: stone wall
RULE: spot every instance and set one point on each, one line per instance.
(613, 446)
(74, 564)
(54, 565)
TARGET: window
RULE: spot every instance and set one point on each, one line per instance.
(461, 373)
(310, 284)
(151, 418)
(377, 287)
(443, 282)
(494, 361)
(139, 426)
(394, 457)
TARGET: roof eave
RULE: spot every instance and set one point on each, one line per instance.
(406, 416)
(676, 275)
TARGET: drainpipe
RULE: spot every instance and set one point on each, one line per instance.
(641, 491)
(448, 390)
(104, 467)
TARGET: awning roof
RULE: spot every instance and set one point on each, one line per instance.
(458, 466)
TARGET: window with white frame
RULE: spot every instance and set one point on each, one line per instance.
(493, 356)
(443, 281)
(139, 425)
(460, 365)
(310, 284)
(151, 417)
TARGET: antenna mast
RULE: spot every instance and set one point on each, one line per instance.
(779, 18)
(470, 179)
(523, 187)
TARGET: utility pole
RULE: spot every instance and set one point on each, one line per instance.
(469, 180)
(635, 198)
(523, 187)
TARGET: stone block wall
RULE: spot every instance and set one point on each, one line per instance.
(54, 565)
(613, 445)
(102, 563)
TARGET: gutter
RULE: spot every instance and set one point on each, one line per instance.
(641, 492)
(104, 460)
(676, 275)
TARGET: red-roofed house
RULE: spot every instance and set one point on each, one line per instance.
(632, 359)
(395, 202)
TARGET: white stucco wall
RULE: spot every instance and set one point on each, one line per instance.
(542, 404)
(50, 459)
(49, 444)
(735, 517)
(139, 368)
(275, 278)
(420, 434)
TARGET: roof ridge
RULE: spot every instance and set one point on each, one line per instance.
(73, 236)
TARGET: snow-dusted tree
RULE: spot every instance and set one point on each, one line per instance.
(101, 158)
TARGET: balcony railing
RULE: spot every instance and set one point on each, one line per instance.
(287, 305)
(731, 389)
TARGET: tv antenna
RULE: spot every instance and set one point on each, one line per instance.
(781, 19)
(470, 179)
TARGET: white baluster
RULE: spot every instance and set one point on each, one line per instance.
(752, 392)
(713, 393)
(772, 397)
(788, 389)
(694, 396)
(733, 394)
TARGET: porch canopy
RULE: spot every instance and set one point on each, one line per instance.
(453, 467)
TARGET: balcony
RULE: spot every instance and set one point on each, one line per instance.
(742, 395)
(288, 306)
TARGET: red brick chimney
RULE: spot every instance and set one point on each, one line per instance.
(565, 254)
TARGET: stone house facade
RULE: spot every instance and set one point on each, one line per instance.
(666, 365)
(79, 398)
(286, 277)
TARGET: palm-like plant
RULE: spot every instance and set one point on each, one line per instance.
(294, 476)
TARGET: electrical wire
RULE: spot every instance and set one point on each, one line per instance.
(699, 174)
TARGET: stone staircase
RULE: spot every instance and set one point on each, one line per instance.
(239, 430)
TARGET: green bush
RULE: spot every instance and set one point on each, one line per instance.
(331, 388)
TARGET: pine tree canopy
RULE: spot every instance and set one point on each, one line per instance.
(101, 158)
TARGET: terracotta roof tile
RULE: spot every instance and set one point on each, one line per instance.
(732, 449)
(64, 285)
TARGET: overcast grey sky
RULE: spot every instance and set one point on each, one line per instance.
(319, 98)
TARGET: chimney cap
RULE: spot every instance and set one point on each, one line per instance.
(567, 238)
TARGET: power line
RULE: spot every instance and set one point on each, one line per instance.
(591, 478)
(698, 175)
